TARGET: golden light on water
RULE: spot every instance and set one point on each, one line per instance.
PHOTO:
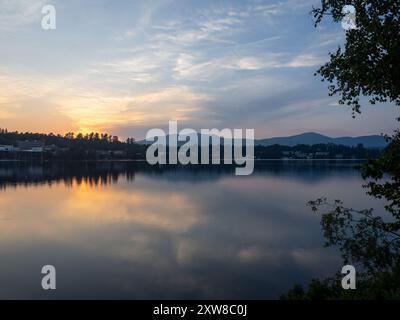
(80, 204)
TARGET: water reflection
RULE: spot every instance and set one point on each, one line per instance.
(127, 230)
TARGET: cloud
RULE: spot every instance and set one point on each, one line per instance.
(98, 110)
(220, 24)
(18, 13)
(250, 63)
(177, 103)
(305, 60)
(141, 68)
(187, 68)
(264, 61)
(25, 103)
(194, 68)
(211, 25)
(141, 64)
(74, 101)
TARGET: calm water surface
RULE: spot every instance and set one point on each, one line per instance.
(125, 230)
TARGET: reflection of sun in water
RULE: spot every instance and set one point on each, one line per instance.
(169, 210)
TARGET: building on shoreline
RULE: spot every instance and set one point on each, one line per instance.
(30, 146)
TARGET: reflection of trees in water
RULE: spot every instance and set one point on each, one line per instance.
(68, 173)
(105, 173)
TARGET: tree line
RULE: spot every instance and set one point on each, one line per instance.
(96, 145)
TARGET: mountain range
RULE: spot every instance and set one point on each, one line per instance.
(311, 138)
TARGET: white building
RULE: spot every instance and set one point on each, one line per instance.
(31, 146)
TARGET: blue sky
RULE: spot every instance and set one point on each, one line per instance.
(128, 66)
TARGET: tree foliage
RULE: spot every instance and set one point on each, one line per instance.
(369, 63)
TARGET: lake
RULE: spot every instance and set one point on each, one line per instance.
(130, 231)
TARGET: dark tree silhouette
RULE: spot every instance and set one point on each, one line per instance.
(368, 65)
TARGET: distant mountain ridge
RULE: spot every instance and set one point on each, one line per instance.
(311, 138)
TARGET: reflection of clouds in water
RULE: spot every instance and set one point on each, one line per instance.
(312, 259)
(162, 238)
(72, 210)
(136, 207)
(139, 248)
(254, 254)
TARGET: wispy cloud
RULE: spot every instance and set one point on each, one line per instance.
(138, 64)
(91, 108)
(17, 13)
(305, 60)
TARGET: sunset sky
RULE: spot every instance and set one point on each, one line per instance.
(127, 66)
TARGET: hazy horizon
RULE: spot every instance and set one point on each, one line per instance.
(123, 138)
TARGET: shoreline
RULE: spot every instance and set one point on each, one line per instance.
(145, 161)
